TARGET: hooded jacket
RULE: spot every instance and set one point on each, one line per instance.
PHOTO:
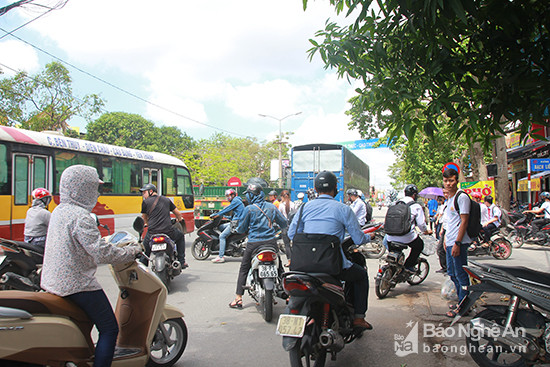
(258, 218)
(37, 220)
(74, 246)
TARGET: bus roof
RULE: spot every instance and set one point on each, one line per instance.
(55, 140)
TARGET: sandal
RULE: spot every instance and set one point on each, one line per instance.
(453, 306)
(238, 303)
(452, 313)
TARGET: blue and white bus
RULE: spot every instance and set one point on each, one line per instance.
(309, 160)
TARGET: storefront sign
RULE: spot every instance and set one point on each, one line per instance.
(535, 185)
(540, 165)
(483, 187)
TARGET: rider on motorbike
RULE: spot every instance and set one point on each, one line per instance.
(74, 247)
(257, 219)
(38, 218)
(236, 205)
(544, 209)
(412, 239)
(155, 210)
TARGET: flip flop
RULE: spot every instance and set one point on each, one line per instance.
(236, 304)
(452, 313)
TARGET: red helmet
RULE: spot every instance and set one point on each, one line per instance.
(476, 195)
(39, 193)
(230, 192)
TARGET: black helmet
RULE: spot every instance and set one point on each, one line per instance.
(254, 189)
(352, 192)
(326, 181)
(411, 190)
(255, 185)
(148, 187)
(272, 193)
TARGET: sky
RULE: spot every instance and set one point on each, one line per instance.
(202, 66)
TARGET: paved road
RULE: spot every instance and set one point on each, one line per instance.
(220, 336)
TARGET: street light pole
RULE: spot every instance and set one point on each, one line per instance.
(280, 180)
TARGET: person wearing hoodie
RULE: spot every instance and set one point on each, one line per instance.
(38, 218)
(74, 247)
(256, 219)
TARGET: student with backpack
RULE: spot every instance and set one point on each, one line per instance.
(358, 206)
(401, 219)
(457, 238)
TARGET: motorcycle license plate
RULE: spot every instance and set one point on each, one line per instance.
(158, 247)
(267, 271)
(291, 325)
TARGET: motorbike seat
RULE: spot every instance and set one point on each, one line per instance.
(26, 246)
(264, 247)
(526, 273)
(397, 246)
(42, 303)
(327, 278)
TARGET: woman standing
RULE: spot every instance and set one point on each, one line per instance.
(286, 207)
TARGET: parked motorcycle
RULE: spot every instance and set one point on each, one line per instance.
(319, 317)
(46, 329)
(374, 249)
(517, 334)
(208, 241)
(499, 247)
(393, 271)
(20, 265)
(522, 232)
(264, 280)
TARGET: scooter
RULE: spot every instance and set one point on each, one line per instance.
(499, 247)
(20, 265)
(522, 232)
(264, 279)
(516, 334)
(208, 241)
(41, 328)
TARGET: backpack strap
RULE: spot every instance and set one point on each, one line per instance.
(268, 219)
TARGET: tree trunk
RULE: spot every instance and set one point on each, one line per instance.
(479, 169)
(502, 186)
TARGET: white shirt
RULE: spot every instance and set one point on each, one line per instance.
(360, 210)
(484, 217)
(494, 212)
(546, 206)
(282, 208)
(453, 219)
(417, 219)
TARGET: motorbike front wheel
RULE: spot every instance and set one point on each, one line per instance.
(502, 248)
(200, 249)
(382, 284)
(422, 270)
(297, 355)
(375, 248)
(516, 238)
(168, 343)
(487, 352)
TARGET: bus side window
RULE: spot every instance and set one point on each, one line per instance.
(4, 184)
(21, 180)
(40, 172)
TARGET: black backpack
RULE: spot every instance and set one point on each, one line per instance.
(368, 215)
(398, 220)
(474, 220)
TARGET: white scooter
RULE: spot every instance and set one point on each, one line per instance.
(41, 328)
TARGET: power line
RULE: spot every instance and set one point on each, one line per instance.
(119, 88)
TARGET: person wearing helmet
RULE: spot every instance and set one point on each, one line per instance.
(543, 210)
(300, 200)
(491, 225)
(257, 219)
(411, 238)
(311, 194)
(358, 206)
(272, 198)
(155, 210)
(327, 216)
(38, 218)
(235, 206)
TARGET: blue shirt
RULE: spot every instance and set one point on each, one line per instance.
(259, 227)
(325, 215)
(236, 205)
(432, 207)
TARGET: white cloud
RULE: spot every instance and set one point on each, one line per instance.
(18, 56)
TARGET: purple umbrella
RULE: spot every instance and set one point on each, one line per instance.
(431, 192)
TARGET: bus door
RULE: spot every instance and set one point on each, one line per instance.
(30, 171)
(151, 175)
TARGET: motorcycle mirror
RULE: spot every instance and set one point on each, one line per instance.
(95, 218)
(139, 224)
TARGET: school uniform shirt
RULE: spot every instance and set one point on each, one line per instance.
(453, 219)
(494, 212)
(360, 209)
(484, 211)
(417, 219)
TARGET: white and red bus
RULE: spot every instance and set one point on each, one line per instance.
(30, 159)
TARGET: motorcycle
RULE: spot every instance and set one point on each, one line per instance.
(319, 317)
(514, 335)
(499, 247)
(164, 255)
(522, 232)
(208, 241)
(264, 280)
(393, 271)
(374, 249)
(20, 265)
(152, 332)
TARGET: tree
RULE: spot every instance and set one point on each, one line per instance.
(44, 101)
(134, 131)
(213, 161)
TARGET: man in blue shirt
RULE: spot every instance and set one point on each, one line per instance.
(236, 205)
(325, 215)
(432, 207)
(258, 219)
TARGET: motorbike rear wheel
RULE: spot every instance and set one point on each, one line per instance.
(297, 355)
(165, 352)
(375, 248)
(382, 284)
(423, 268)
(491, 354)
(200, 249)
(267, 305)
(516, 238)
(502, 248)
